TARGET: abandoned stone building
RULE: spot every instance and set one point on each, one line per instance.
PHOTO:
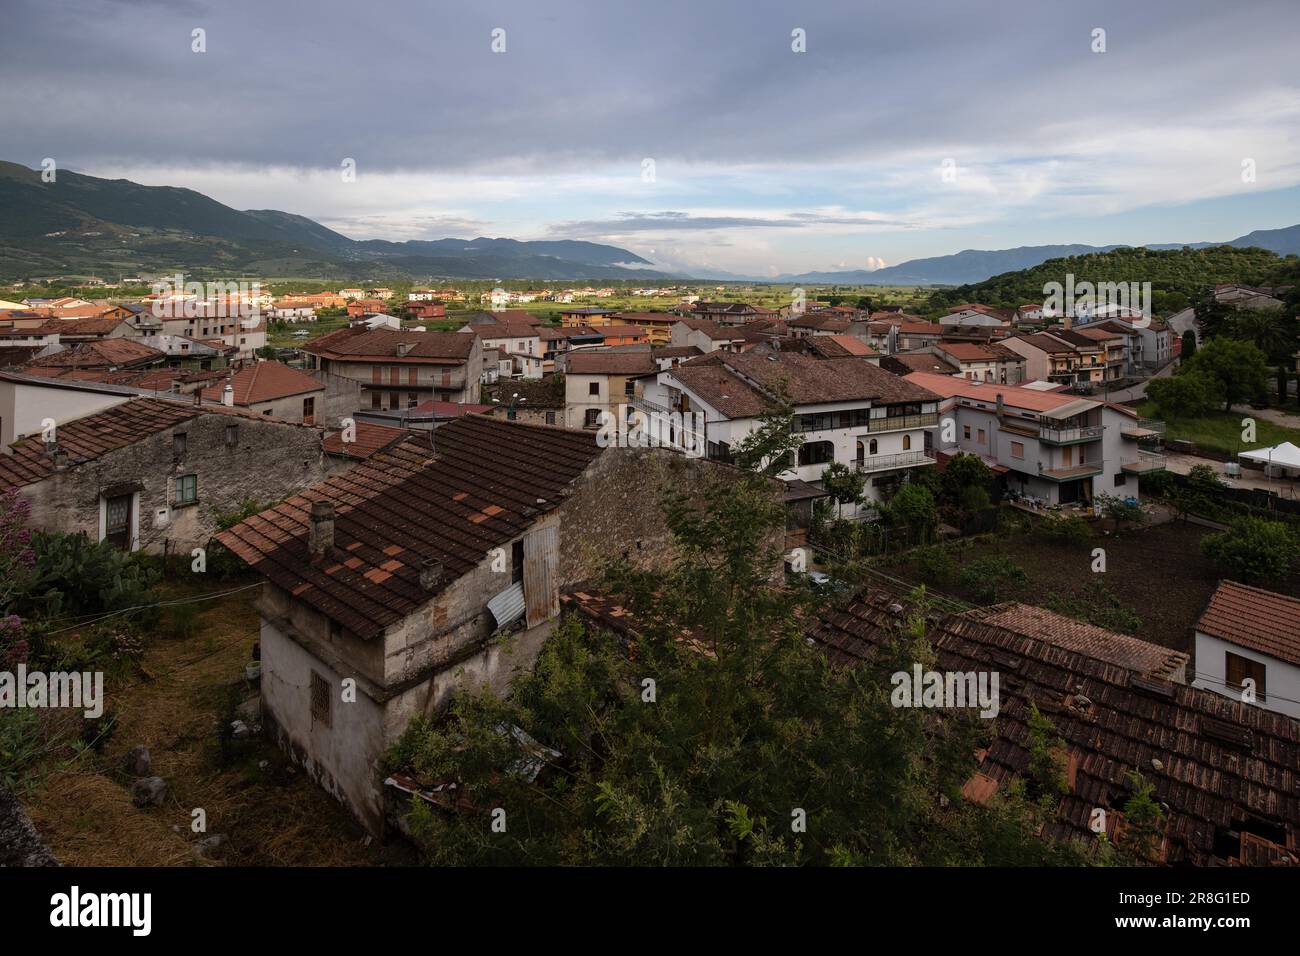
(156, 474)
(399, 576)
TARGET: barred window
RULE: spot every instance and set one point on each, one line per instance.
(320, 700)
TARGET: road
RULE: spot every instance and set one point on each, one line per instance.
(1135, 393)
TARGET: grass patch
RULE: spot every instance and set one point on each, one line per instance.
(1221, 431)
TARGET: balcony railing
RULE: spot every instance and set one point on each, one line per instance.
(1061, 436)
(897, 422)
(1146, 463)
(908, 459)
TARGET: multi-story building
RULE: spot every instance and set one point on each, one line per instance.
(847, 410)
(1064, 357)
(1048, 446)
(983, 362)
(600, 382)
(400, 369)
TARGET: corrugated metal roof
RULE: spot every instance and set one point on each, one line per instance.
(508, 606)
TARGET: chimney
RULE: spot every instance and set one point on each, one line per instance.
(60, 459)
(198, 396)
(228, 396)
(430, 573)
(321, 538)
(403, 349)
(1000, 412)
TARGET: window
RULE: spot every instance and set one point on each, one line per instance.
(374, 399)
(376, 375)
(873, 447)
(309, 411)
(1120, 478)
(412, 376)
(550, 418)
(232, 436)
(187, 489)
(980, 436)
(816, 453)
(178, 444)
(1018, 449)
(320, 701)
(593, 388)
(629, 387)
(907, 443)
(592, 418)
(1238, 669)
(965, 432)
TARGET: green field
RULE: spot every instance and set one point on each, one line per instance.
(1221, 431)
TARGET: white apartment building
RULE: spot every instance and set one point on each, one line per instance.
(1049, 446)
(846, 410)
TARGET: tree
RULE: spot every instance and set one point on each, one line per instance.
(770, 448)
(965, 471)
(844, 484)
(712, 735)
(1189, 344)
(1282, 394)
(1254, 550)
(912, 507)
(1239, 368)
(1185, 395)
(1269, 330)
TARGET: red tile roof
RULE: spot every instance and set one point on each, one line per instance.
(1215, 762)
(485, 485)
(369, 439)
(1253, 618)
(950, 386)
(101, 353)
(264, 382)
(358, 343)
(609, 363)
(89, 438)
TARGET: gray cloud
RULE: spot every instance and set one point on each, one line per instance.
(415, 84)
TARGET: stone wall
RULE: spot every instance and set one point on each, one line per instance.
(270, 461)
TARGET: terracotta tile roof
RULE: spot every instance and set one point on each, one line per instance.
(370, 439)
(1017, 396)
(919, 362)
(712, 329)
(752, 381)
(1251, 617)
(1103, 645)
(487, 483)
(838, 346)
(975, 352)
(621, 330)
(360, 343)
(675, 351)
(817, 321)
(89, 438)
(89, 327)
(609, 363)
(1218, 765)
(264, 382)
(102, 353)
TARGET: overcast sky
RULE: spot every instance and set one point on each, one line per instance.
(689, 132)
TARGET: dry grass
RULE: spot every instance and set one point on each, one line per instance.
(271, 815)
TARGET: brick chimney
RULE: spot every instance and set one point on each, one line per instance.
(321, 537)
(430, 573)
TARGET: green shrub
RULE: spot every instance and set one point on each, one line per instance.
(989, 578)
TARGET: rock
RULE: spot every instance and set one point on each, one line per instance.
(137, 763)
(202, 847)
(1157, 764)
(239, 730)
(151, 791)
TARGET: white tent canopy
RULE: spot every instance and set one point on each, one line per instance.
(1285, 455)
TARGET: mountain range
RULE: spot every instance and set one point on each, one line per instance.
(84, 225)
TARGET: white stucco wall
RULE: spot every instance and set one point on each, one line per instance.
(1281, 680)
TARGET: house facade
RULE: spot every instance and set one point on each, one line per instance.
(400, 369)
(1248, 647)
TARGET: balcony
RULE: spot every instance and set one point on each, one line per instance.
(1144, 430)
(1146, 463)
(908, 459)
(901, 422)
(1070, 472)
(1070, 436)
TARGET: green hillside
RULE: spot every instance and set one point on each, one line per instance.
(1176, 275)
